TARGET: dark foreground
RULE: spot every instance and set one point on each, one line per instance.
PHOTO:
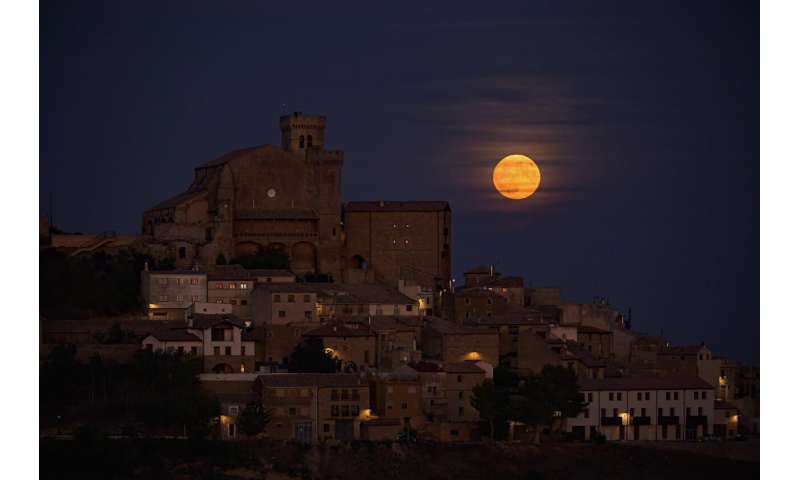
(186, 459)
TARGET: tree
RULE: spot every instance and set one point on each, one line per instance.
(253, 419)
(552, 394)
(485, 400)
(310, 356)
(221, 259)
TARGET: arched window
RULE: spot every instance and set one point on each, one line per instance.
(308, 141)
(302, 141)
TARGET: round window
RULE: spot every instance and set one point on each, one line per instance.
(271, 193)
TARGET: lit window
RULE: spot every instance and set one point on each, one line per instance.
(219, 300)
(243, 286)
(290, 299)
(162, 281)
(162, 298)
(179, 298)
(195, 281)
(232, 285)
(220, 285)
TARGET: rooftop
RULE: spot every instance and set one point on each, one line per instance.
(311, 380)
(463, 367)
(333, 330)
(676, 382)
(201, 321)
(175, 335)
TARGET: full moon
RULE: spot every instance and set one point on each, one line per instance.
(516, 177)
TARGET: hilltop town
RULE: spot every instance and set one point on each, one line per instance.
(307, 319)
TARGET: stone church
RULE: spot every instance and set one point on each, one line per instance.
(286, 198)
(289, 198)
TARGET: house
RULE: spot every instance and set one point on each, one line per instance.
(169, 294)
(726, 420)
(224, 342)
(313, 407)
(231, 284)
(284, 303)
(233, 392)
(398, 395)
(337, 301)
(452, 343)
(674, 407)
(355, 346)
(598, 341)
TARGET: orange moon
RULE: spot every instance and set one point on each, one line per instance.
(516, 177)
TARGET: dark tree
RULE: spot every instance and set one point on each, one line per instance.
(221, 259)
(551, 396)
(309, 356)
(253, 419)
(486, 400)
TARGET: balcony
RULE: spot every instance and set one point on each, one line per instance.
(671, 420)
(611, 421)
(641, 420)
(696, 420)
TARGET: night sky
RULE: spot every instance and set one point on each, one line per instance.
(642, 116)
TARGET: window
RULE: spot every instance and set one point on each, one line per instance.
(195, 281)
(290, 298)
(326, 427)
(307, 314)
(243, 286)
(243, 350)
(228, 351)
(162, 298)
(302, 141)
(195, 298)
(334, 410)
(218, 334)
(688, 411)
(180, 350)
(216, 351)
(466, 300)
(460, 411)
(276, 298)
(404, 405)
(700, 411)
(633, 412)
(334, 394)
(672, 411)
(345, 394)
(602, 412)
(243, 302)
(696, 395)
(162, 281)
(233, 410)
(219, 300)
(308, 139)
(282, 313)
(704, 395)
(219, 285)
(660, 412)
(354, 410)
(586, 413)
(292, 411)
(616, 412)
(233, 301)
(619, 396)
(611, 396)
(194, 350)
(669, 396)
(458, 378)
(182, 252)
(590, 396)
(675, 395)
(306, 298)
(488, 301)
(644, 412)
(461, 395)
(639, 396)
(409, 308)
(647, 395)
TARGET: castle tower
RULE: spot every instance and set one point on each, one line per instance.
(300, 132)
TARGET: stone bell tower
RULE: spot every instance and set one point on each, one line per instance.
(302, 132)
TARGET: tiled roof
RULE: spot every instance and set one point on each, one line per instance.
(287, 287)
(311, 379)
(583, 355)
(680, 350)
(426, 366)
(412, 206)
(521, 317)
(342, 294)
(677, 382)
(505, 282)
(177, 200)
(384, 322)
(238, 272)
(202, 321)
(289, 214)
(240, 153)
(333, 330)
(591, 330)
(448, 328)
(463, 367)
(175, 335)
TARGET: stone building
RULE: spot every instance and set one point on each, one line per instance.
(392, 241)
(168, 295)
(285, 198)
(355, 347)
(452, 344)
(313, 407)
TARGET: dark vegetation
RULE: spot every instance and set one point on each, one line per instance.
(268, 258)
(309, 356)
(157, 392)
(99, 284)
(542, 400)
